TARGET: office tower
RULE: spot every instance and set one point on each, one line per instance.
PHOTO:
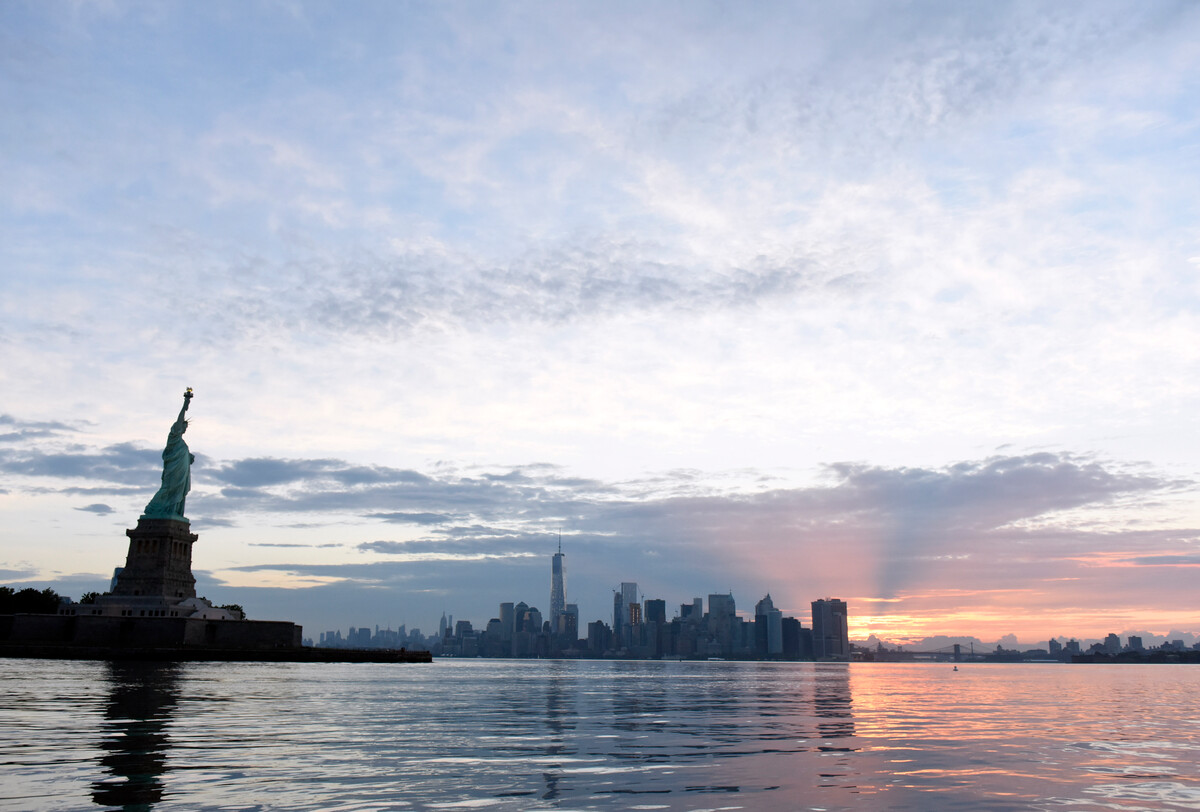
(599, 637)
(723, 624)
(533, 620)
(508, 620)
(521, 642)
(831, 634)
(721, 606)
(558, 592)
(794, 635)
(569, 621)
(623, 601)
(692, 612)
(768, 628)
(629, 596)
(657, 636)
(774, 633)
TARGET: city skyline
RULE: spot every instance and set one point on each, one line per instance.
(630, 608)
(893, 303)
(828, 635)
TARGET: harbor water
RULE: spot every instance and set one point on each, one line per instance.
(516, 735)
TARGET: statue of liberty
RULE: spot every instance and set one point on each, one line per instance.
(177, 472)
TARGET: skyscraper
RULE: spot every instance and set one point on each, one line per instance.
(558, 589)
(622, 601)
(629, 596)
(768, 628)
(570, 623)
(721, 606)
(722, 618)
(508, 621)
(830, 632)
(655, 617)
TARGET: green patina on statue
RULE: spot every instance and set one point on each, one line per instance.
(177, 472)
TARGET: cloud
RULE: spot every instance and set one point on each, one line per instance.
(1164, 560)
(17, 575)
(919, 513)
(986, 494)
(213, 521)
(111, 490)
(35, 428)
(386, 572)
(687, 240)
(263, 472)
(97, 508)
(328, 486)
(922, 511)
(412, 518)
(28, 430)
(18, 436)
(122, 463)
(488, 543)
(599, 278)
(1002, 519)
(770, 121)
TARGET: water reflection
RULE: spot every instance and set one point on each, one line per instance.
(142, 698)
(560, 689)
(509, 736)
(831, 702)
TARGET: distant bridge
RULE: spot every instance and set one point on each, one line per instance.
(954, 652)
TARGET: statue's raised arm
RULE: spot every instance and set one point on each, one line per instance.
(179, 421)
(168, 503)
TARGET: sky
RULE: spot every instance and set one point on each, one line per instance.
(891, 302)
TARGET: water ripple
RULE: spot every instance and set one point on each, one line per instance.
(509, 735)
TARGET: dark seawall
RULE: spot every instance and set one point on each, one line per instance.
(303, 654)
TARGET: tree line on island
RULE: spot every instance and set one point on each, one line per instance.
(46, 601)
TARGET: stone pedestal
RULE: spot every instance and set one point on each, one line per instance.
(159, 562)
